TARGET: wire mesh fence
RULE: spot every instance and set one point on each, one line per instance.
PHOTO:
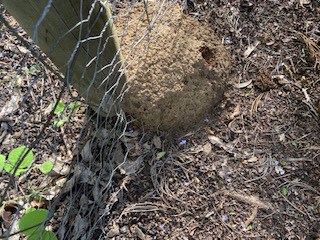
(67, 149)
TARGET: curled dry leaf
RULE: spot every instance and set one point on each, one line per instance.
(250, 49)
(236, 112)
(235, 127)
(139, 233)
(70, 184)
(96, 193)
(52, 193)
(22, 49)
(86, 152)
(282, 137)
(131, 167)
(217, 141)
(12, 105)
(271, 42)
(61, 181)
(59, 169)
(243, 85)
(132, 134)
(7, 214)
(250, 160)
(114, 231)
(207, 148)
(81, 225)
(118, 155)
(157, 142)
(281, 79)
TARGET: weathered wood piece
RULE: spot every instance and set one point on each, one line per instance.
(80, 39)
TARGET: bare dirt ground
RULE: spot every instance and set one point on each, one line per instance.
(248, 170)
(252, 169)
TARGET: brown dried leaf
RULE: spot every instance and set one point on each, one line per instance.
(12, 105)
(59, 168)
(114, 231)
(217, 141)
(81, 225)
(250, 49)
(236, 112)
(282, 137)
(52, 193)
(207, 148)
(250, 160)
(118, 155)
(7, 214)
(130, 167)
(243, 85)
(86, 152)
(22, 49)
(157, 142)
(270, 42)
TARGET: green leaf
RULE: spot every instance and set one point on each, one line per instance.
(294, 143)
(160, 154)
(2, 160)
(250, 227)
(29, 210)
(31, 222)
(37, 67)
(49, 235)
(74, 106)
(32, 69)
(46, 235)
(16, 155)
(60, 108)
(284, 191)
(26, 69)
(10, 169)
(60, 122)
(232, 213)
(46, 167)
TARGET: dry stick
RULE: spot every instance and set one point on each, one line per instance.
(252, 217)
(33, 144)
(294, 206)
(252, 200)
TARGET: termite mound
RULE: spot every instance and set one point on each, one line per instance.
(177, 69)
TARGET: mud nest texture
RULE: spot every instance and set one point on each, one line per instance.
(178, 71)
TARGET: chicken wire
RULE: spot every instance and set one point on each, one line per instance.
(90, 147)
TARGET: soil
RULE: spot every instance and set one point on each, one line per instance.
(262, 181)
(182, 71)
(251, 171)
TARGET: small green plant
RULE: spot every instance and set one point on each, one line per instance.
(2, 161)
(46, 167)
(61, 112)
(32, 225)
(21, 158)
(160, 155)
(284, 191)
(32, 69)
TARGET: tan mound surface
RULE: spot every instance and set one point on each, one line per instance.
(182, 70)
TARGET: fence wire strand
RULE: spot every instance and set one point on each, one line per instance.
(60, 119)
